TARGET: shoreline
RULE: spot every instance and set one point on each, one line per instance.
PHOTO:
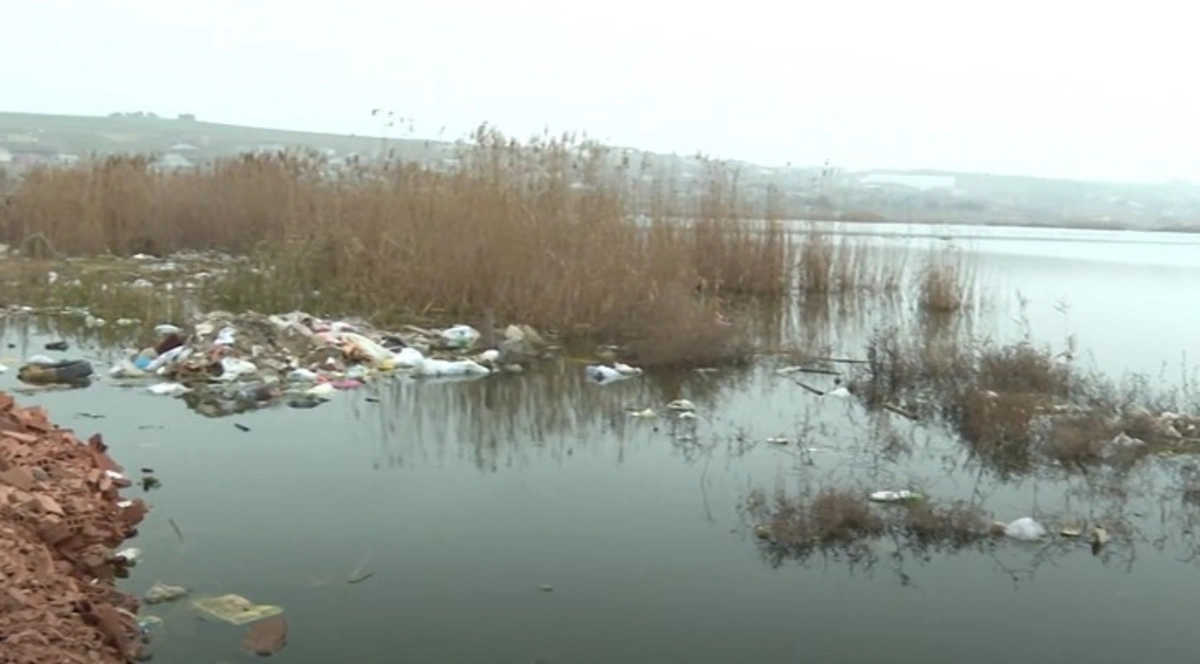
(61, 518)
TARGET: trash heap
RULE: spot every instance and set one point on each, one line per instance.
(61, 517)
(224, 364)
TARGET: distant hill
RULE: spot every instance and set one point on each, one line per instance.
(84, 135)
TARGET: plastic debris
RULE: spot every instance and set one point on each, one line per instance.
(235, 609)
(266, 637)
(168, 389)
(1025, 529)
(682, 405)
(224, 364)
(160, 593)
(903, 495)
(459, 336)
(131, 555)
(602, 373)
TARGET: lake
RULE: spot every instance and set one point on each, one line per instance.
(530, 519)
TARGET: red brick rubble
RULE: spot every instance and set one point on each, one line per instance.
(61, 517)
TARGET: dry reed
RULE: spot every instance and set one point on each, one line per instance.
(945, 283)
(556, 232)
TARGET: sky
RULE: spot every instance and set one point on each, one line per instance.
(1050, 88)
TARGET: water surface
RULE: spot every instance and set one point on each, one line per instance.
(465, 498)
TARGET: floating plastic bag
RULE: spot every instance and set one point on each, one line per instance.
(1025, 529)
(235, 609)
(603, 374)
(431, 367)
(168, 389)
(459, 336)
(900, 496)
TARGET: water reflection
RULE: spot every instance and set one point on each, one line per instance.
(555, 409)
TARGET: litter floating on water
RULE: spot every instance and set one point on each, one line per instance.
(160, 592)
(682, 405)
(235, 609)
(266, 637)
(168, 389)
(1024, 529)
(131, 555)
(900, 496)
(602, 373)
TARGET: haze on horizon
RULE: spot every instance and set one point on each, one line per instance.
(1053, 89)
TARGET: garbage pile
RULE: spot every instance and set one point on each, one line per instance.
(61, 516)
(225, 364)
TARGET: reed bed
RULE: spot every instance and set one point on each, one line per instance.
(558, 232)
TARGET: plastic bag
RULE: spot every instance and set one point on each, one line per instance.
(1025, 529)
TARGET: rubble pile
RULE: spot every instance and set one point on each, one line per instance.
(224, 363)
(61, 517)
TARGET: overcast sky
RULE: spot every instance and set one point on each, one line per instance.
(1054, 88)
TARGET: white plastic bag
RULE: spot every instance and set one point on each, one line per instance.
(459, 336)
(1025, 529)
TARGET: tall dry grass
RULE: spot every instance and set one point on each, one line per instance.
(556, 232)
(945, 283)
(849, 266)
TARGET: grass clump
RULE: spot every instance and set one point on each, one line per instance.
(847, 267)
(833, 518)
(956, 525)
(843, 521)
(944, 283)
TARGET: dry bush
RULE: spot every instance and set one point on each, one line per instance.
(1023, 367)
(998, 426)
(832, 518)
(1078, 441)
(553, 233)
(843, 516)
(945, 283)
(839, 520)
(956, 525)
(674, 331)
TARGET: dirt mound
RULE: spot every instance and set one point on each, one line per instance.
(61, 516)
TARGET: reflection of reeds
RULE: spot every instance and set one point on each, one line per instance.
(498, 420)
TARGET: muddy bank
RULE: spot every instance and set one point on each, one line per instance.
(61, 516)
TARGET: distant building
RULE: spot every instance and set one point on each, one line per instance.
(66, 158)
(183, 147)
(172, 161)
(6, 157)
(187, 117)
